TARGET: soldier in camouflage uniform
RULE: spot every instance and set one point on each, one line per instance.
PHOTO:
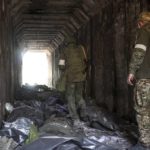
(73, 59)
(139, 70)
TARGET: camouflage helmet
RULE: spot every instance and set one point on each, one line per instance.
(70, 39)
(144, 16)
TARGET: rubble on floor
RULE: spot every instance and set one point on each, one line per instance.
(44, 124)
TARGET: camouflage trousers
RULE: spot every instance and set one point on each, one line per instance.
(76, 103)
(142, 107)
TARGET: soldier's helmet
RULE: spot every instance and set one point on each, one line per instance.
(70, 39)
(144, 16)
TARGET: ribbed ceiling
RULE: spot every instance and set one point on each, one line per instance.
(42, 24)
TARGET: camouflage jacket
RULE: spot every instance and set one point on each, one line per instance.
(75, 65)
(140, 60)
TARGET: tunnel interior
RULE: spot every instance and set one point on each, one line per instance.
(42, 25)
(32, 34)
(105, 28)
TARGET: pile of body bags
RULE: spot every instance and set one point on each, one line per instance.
(42, 122)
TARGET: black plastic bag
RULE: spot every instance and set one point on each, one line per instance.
(53, 143)
(57, 126)
(31, 113)
(102, 117)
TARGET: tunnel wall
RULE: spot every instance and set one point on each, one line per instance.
(6, 47)
(55, 69)
(109, 39)
(17, 65)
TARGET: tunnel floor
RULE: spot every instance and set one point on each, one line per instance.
(40, 120)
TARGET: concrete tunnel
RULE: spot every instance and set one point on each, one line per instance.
(105, 28)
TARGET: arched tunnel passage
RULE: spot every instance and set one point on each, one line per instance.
(106, 29)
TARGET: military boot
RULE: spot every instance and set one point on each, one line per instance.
(78, 124)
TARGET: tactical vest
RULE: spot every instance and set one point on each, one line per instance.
(75, 64)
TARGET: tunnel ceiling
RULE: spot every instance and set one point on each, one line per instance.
(42, 24)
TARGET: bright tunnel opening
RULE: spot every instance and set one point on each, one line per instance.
(36, 68)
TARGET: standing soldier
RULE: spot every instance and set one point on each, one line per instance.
(139, 69)
(73, 59)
